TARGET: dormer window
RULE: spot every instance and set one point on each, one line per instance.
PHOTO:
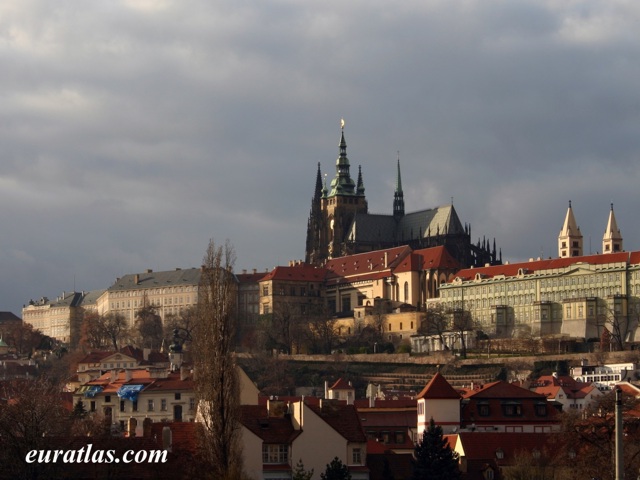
(499, 454)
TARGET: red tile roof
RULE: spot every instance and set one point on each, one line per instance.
(270, 429)
(344, 419)
(298, 273)
(438, 388)
(437, 257)
(183, 435)
(341, 384)
(366, 263)
(484, 445)
(511, 270)
(502, 390)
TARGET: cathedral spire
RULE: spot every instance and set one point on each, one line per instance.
(360, 188)
(318, 191)
(612, 239)
(342, 184)
(570, 238)
(398, 195)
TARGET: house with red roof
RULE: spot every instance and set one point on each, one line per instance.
(491, 455)
(504, 407)
(276, 436)
(565, 392)
(342, 390)
(127, 397)
(438, 400)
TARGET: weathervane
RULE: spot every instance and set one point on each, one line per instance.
(342, 123)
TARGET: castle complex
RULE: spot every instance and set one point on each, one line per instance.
(395, 267)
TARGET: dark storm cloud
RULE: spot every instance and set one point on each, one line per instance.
(134, 131)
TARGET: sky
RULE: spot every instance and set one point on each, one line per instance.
(134, 131)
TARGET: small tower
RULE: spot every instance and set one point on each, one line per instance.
(398, 196)
(612, 239)
(570, 238)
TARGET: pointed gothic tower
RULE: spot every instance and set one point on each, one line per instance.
(333, 210)
(315, 225)
(570, 238)
(612, 239)
(398, 196)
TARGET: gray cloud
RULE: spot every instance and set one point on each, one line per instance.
(134, 131)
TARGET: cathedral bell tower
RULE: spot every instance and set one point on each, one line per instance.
(333, 209)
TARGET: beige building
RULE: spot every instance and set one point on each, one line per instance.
(60, 318)
(171, 292)
(297, 290)
(575, 296)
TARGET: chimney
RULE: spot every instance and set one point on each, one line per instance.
(326, 389)
(132, 423)
(136, 279)
(149, 270)
(386, 259)
(167, 440)
(145, 353)
(255, 270)
(114, 375)
(276, 408)
(127, 375)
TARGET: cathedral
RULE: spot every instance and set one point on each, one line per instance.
(340, 224)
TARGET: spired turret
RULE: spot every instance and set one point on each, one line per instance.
(612, 239)
(570, 238)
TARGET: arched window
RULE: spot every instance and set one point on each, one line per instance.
(406, 292)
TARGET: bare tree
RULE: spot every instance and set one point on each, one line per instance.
(322, 335)
(148, 326)
(116, 328)
(32, 417)
(184, 322)
(217, 386)
(92, 333)
(462, 322)
(23, 338)
(617, 324)
(436, 322)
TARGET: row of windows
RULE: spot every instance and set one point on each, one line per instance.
(514, 286)
(153, 291)
(150, 403)
(153, 301)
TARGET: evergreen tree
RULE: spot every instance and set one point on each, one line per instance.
(299, 473)
(78, 410)
(434, 459)
(336, 470)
